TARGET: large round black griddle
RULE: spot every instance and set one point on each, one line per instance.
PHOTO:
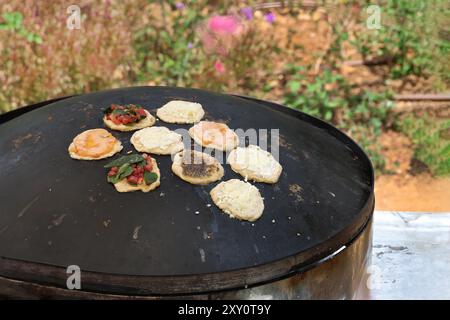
(56, 211)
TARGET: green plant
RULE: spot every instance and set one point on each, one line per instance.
(368, 138)
(368, 108)
(178, 48)
(320, 97)
(362, 114)
(431, 139)
(408, 38)
(96, 57)
(13, 21)
(167, 48)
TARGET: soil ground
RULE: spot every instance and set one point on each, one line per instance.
(412, 193)
(410, 187)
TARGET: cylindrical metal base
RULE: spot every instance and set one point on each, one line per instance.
(336, 277)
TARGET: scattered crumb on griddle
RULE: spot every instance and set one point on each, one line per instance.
(136, 232)
(59, 220)
(18, 141)
(295, 191)
(202, 255)
(283, 142)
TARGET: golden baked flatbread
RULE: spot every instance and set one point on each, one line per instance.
(157, 140)
(178, 111)
(94, 144)
(253, 163)
(239, 199)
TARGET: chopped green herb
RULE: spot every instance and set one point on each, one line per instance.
(130, 159)
(150, 177)
(124, 171)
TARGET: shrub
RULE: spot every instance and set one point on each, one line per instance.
(410, 37)
(431, 139)
(220, 50)
(41, 58)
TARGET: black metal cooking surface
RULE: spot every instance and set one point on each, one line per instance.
(56, 211)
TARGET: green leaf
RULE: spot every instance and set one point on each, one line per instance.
(124, 171)
(294, 86)
(150, 177)
(113, 179)
(107, 111)
(119, 111)
(132, 158)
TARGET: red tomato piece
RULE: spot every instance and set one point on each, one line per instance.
(132, 179)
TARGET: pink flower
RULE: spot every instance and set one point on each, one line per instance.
(218, 65)
(219, 34)
(224, 24)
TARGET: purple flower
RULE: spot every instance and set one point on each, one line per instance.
(179, 5)
(247, 12)
(270, 17)
(190, 45)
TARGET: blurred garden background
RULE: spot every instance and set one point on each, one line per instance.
(327, 58)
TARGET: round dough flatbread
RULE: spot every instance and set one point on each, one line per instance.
(91, 143)
(178, 111)
(214, 135)
(239, 199)
(254, 163)
(124, 186)
(157, 140)
(197, 167)
(147, 122)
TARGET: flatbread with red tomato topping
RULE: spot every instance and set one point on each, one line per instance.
(127, 117)
(134, 172)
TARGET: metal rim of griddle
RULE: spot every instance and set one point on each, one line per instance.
(206, 282)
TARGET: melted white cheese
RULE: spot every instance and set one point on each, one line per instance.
(255, 160)
(157, 137)
(183, 111)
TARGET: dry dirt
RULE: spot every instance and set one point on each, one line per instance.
(403, 190)
(412, 193)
